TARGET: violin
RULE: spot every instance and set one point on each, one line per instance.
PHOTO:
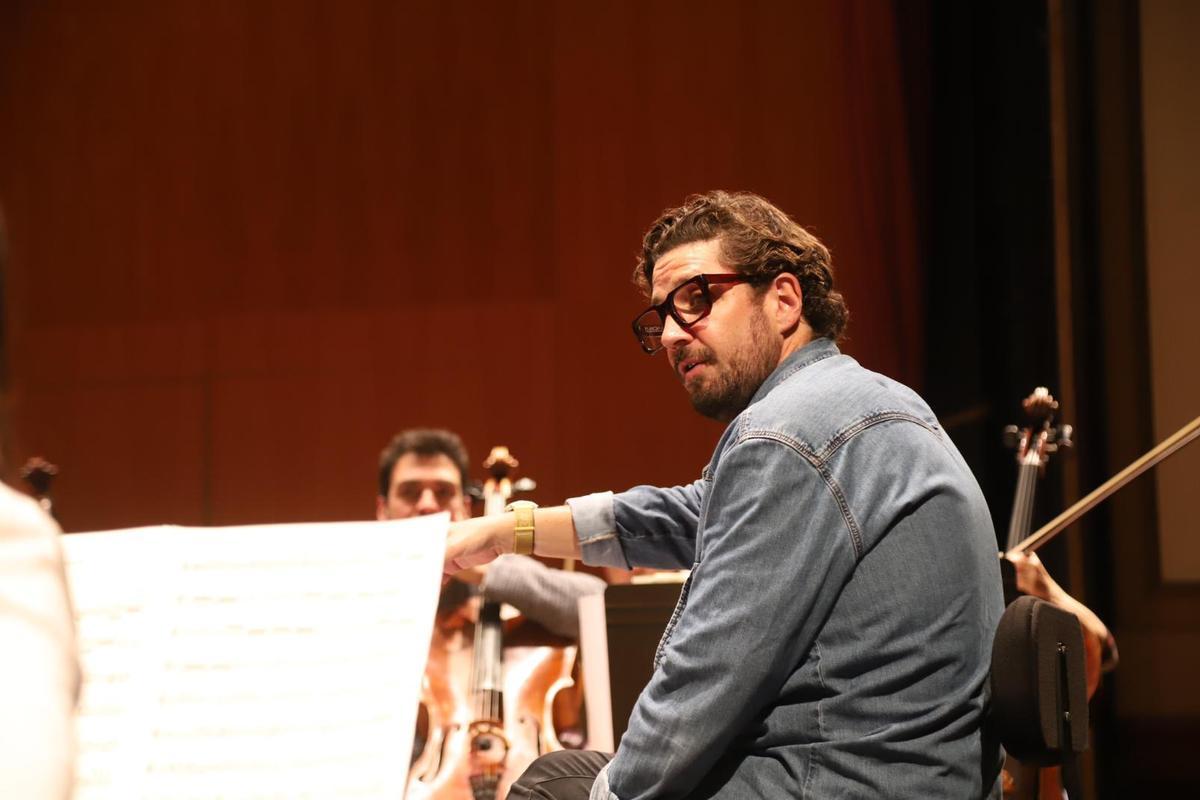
(496, 696)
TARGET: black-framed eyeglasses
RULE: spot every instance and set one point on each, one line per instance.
(687, 304)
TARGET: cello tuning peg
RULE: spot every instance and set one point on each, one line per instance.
(1066, 434)
(1012, 436)
(524, 485)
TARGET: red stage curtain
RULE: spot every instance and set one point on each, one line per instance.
(249, 241)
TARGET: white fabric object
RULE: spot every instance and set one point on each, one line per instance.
(39, 669)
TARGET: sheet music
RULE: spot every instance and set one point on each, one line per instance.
(275, 661)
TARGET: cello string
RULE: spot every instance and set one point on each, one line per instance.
(1030, 475)
(1022, 505)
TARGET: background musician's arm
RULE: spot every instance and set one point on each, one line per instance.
(545, 595)
(1033, 579)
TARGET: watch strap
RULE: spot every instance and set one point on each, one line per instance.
(523, 527)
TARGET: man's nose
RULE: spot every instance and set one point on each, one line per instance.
(674, 335)
(427, 502)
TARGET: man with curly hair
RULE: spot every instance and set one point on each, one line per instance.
(834, 637)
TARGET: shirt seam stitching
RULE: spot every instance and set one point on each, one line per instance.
(818, 464)
(818, 458)
(812, 753)
(849, 432)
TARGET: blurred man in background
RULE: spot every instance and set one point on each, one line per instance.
(425, 471)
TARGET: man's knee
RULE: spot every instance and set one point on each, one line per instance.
(563, 775)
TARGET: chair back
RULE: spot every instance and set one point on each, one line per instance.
(1039, 688)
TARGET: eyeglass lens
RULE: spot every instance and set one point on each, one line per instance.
(690, 302)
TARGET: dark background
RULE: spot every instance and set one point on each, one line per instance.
(249, 241)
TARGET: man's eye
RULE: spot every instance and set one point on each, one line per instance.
(689, 298)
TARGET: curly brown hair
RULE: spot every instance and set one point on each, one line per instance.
(757, 239)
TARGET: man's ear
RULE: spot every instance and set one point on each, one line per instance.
(787, 300)
(381, 508)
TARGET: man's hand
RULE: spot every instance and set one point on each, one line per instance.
(1033, 579)
(472, 575)
(475, 542)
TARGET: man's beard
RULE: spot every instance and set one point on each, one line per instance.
(731, 385)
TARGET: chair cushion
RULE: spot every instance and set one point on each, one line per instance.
(1030, 693)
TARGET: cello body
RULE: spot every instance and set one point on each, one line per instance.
(495, 693)
(467, 757)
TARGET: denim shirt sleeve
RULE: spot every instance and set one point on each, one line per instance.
(776, 551)
(646, 526)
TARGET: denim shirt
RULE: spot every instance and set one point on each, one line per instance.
(835, 634)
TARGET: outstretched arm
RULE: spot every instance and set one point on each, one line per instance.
(665, 518)
(477, 541)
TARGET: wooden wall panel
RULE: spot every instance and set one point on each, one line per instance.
(249, 241)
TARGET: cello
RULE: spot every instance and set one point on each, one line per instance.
(1034, 444)
(1180, 439)
(492, 695)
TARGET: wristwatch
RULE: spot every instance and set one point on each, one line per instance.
(523, 529)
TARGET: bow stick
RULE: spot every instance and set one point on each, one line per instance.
(1167, 447)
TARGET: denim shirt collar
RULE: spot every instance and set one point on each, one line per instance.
(816, 350)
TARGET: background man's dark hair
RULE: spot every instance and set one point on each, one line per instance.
(423, 442)
(756, 239)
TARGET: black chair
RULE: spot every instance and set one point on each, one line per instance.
(1039, 706)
